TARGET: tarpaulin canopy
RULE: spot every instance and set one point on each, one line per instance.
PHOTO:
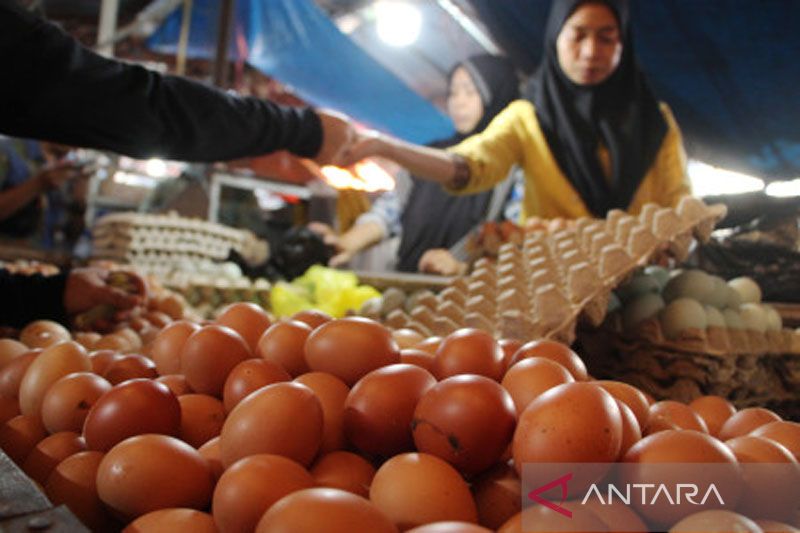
(296, 43)
(730, 70)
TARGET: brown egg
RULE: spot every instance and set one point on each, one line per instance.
(466, 420)
(173, 521)
(209, 355)
(130, 366)
(714, 410)
(135, 407)
(20, 435)
(173, 305)
(631, 433)
(540, 519)
(9, 349)
(558, 352)
(158, 319)
(150, 472)
(783, 432)
(771, 526)
(87, 339)
(101, 359)
(510, 348)
(11, 374)
(414, 489)
(379, 410)
(9, 408)
(51, 365)
(212, 454)
(770, 474)
(247, 319)
(202, 417)
(165, 350)
(716, 521)
(469, 351)
(416, 357)
(675, 447)
(571, 423)
(430, 345)
(498, 494)
(73, 483)
(345, 471)
(241, 496)
(529, 378)
(746, 421)
(284, 343)
(50, 452)
(248, 376)
(349, 348)
(450, 527)
(668, 414)
(312, 317)
(328, 510)
(134, 341)
(631, 396)
(293, 428)
(407, 338)
(331, 393)
(176, 383)
(43, 333)
(616, 516)
(114, 342)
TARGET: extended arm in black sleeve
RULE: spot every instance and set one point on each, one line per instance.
(53, 88)
(25, 298)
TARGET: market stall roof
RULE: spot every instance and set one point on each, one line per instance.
(728, 68)
(295, 42)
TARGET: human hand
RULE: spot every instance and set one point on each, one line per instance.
(441, 261)
(53, 176)
(366, 143)
(338, 133)
(87, 288)
(331, 238)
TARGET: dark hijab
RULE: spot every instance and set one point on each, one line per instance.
(433, 218)
(621, 112)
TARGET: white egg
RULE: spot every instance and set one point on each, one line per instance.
(660, 273)
(642, 308)
(733, 300)
(714, 317)
(638, 285)
(718, 296)
(774, 320)
(748, 289)
(694, 284)
(682, 314)
(753, 317)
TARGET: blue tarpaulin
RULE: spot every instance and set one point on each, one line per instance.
(730, 70)
(296, 43)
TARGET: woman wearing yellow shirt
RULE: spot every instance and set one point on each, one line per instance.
(592, 139)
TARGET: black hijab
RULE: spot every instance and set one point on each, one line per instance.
(620, 112)
(433, 218)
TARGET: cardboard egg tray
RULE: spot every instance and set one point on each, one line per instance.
(542, 288)
(161, 242)
(750, 376)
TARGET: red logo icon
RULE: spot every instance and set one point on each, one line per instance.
(562, 482)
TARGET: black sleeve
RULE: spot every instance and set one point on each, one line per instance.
(25, 298)
(53, 88)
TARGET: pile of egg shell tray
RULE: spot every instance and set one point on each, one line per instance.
(541, 289)
(161, 241)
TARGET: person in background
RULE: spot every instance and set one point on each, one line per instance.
(592, 138)
(31, 178)
(428, 220)
(55, 89)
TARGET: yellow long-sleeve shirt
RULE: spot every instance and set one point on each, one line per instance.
(515, 137)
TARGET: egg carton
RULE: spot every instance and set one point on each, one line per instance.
(130, 237)
(542, 288)
(678, 372)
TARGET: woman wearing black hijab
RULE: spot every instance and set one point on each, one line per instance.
(430, 219)
(593, 138)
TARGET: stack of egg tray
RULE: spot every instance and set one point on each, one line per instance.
(162, 243)
(541, 289)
